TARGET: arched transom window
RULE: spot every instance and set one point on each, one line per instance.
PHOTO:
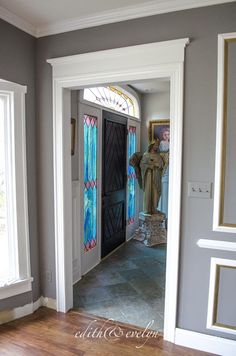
(113, 98)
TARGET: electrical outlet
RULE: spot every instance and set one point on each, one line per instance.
(199, 189)
(49, 276)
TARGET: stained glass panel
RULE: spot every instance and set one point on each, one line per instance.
(131, 176)
(111, 97)
(90, 182)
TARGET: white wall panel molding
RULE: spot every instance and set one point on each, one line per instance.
(213, 344)
(212, 323)
(217, 245)
(220, 172)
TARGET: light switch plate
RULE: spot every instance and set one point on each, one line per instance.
(200, 190)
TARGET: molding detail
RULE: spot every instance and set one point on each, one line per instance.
(217, 245)
(221, 124)
(212, 323)
(106, 17)
(123, 14)
(17, 22)
(213, 344)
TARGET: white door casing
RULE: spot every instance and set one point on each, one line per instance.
(76, 262)
(155, 60)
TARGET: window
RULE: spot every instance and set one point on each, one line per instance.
(14, 244)
(90, 182)
(131, 176)
(113, 98)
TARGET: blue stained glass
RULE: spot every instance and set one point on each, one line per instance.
(90, 182)
(131, 176)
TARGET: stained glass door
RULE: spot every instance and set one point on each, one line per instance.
(132, 185)
(89, 130)
(131, 176)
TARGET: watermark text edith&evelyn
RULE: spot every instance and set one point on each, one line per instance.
(115, 332)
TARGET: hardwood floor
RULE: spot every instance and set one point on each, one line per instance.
(47, 332)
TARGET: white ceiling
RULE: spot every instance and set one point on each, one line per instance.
(43, 12)
(152, 86)
(45, 17)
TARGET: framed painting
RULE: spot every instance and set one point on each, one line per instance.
(160, 129)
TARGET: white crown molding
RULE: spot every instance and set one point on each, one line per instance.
(217, 245)
(130, 12)
(125, 52)
(105, 17)
(17, 21)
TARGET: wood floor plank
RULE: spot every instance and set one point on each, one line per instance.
(47, 332)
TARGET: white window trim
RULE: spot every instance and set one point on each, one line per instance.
(18, 178)
(18, 287)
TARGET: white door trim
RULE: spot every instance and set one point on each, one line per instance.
(155, 60)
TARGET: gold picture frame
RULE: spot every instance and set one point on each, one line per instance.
(156, 128)
(73, 135)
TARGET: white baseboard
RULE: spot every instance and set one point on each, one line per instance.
(16, 313)
(12, 314)
(48, 302)
(207, 343)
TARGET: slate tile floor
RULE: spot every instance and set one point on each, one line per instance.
(127, 286)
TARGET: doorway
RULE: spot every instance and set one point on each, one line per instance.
(133, 275)
(156, 60)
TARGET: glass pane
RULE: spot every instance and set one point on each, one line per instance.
(4, 248)
(112, 98)
(131, 176)
(90, 182)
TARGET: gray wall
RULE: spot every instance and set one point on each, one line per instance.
(154, 107)
(17, 64)
(202, 26)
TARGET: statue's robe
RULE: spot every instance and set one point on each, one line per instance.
(151, 171)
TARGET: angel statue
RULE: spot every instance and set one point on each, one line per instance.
(148, 169)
